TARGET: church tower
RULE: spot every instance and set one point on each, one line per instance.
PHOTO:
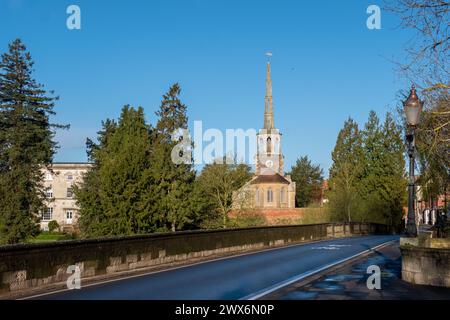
(269, 158)
(269, 188)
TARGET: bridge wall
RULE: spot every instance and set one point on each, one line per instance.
(34, 268)
(426, 260)
(426, 266)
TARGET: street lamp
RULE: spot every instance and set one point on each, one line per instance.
(413, 108)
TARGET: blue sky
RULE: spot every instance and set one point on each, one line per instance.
(326, 65)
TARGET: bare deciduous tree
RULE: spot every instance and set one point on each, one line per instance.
(427, 52)
(427, 65)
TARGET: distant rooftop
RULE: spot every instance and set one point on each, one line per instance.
(71, 164)
(272, 178)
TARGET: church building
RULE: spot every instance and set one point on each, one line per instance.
(269, 188)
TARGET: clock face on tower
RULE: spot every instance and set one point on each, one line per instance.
(269, 157)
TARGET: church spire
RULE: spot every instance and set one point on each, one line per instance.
(268, 111)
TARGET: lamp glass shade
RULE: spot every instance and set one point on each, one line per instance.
(413, 113)
(413, 108)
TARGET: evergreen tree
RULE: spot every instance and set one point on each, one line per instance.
(394, 183)
(115, 197)
(93, 220)
(134, 186)
(372, 168)
(173, 181)
(205, 212)
(345, 173)
(367, 178)
(383, 184)
(308, 179)
(26, 144)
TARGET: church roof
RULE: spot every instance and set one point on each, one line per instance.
(270, 178)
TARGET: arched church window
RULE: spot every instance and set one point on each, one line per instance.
(282, 195)
(269, 195)
(269, 145)
(257, 196)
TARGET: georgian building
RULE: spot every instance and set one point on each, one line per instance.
(269, 188)
(61, 203)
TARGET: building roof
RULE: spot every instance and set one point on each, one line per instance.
(75, 162)
(270, 178)
(70, 165)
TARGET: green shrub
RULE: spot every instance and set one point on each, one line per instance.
(53, 225)
(312, 215)
(247, 220)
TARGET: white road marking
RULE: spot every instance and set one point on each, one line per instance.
(175, 268)
(266, 291)
(340, 245)
(331, 247)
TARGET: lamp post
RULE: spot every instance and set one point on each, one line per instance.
(413, 108)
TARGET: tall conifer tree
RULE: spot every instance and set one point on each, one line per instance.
(308, 178)
(372, 167)
(383, 184)
(394, 182)
(115, 197)
(345, 173)
(26, 144)
(173, 181)
(367, 178)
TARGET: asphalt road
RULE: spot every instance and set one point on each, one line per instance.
(230, 278)
(349, 282)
